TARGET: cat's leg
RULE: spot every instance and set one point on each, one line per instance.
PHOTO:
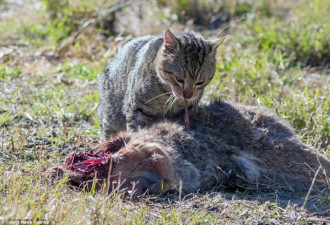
(138, 119)
(111, 122)
(111, 118)
(138, 115)
(110, 110)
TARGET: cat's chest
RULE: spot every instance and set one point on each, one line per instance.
(166, 105)
(175, 109)
(158, 98)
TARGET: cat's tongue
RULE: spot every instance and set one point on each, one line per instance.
(186, 115)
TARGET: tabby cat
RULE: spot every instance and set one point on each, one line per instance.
(152, 77)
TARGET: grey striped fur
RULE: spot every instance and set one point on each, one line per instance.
(140, 84)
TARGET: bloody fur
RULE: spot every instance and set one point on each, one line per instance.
(186, 115)
(228, 144)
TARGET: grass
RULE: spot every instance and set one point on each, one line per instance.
(276, 56)
(7, 72)
(54, 202)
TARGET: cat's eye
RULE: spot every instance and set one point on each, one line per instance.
(179, 80)
(200, 83)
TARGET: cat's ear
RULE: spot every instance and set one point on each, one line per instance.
(215, 44)
(170, 41)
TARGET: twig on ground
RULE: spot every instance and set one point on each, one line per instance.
(311, 187)
(323, 169)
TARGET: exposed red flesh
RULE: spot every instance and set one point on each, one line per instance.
(88, 162)
(186, 115)
(83, 169)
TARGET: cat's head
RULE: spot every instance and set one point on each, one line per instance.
(187, 63)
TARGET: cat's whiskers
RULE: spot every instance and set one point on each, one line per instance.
(168, 100)
(157, 97)
(192, 102)
(170, 105)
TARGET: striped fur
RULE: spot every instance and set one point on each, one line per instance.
(140, 85)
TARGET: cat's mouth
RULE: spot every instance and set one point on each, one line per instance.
(184, 97)
(186, 103)
(187, 97)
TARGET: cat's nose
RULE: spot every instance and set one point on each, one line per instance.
(187, 94)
